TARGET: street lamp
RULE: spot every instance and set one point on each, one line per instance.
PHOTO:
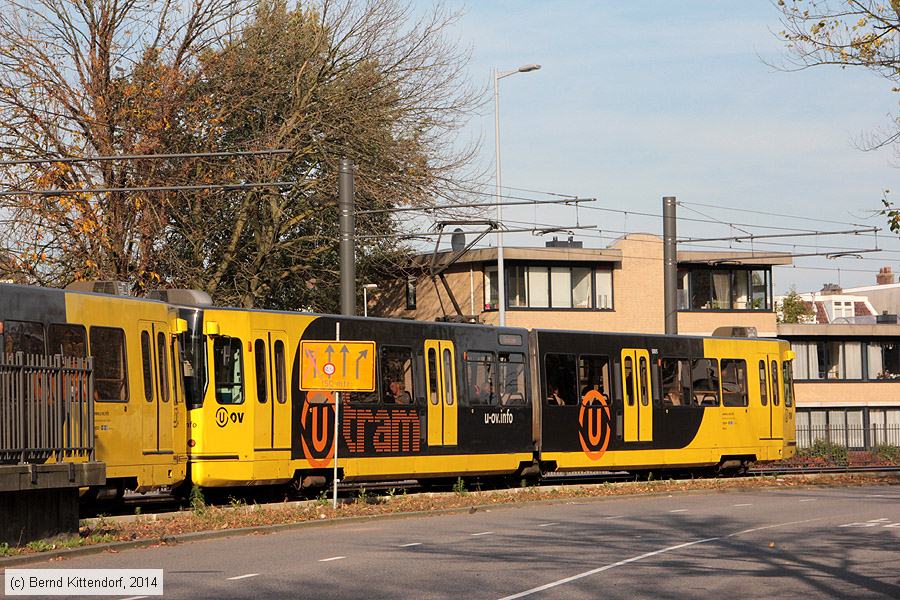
(366, 288)
(501, 273)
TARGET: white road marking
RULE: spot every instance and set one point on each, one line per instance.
(604, 568)
(411, 544)
(893, 525)
(247, 576)
(483, 533)
(134, 598)
(742, 505)
(809, 500)
(641, 557)
(332, 558)
(547, 524)
(615, 517)
(869, 523)
(773, 526)
(679, 510)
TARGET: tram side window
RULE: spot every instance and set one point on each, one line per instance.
(280, 379)
(512, 379)
(147, 366)
(734, 382)
(259, 352)
(397, 375)
(68, 340)
(705, 381)
(110, 371)
(774, 383)
(562, 379)
(676, 382)
(23, 336)
(593, 375)
(163, 358)
(763, 384)
(788, 376)
(481, 375)
(228, 370)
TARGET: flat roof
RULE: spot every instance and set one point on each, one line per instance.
(537, 254)
(838, 330)
(734, 258)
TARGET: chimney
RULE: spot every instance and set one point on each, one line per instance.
(831, 289)
(885, 276)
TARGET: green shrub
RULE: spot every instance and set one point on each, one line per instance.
(198, 502)
(887, 453)
(459, 487)
(827, 451)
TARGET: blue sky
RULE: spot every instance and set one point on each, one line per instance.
(635, 101)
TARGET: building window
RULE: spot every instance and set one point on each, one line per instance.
(490, 289)
(551, 287)
(884, 360)
(723, 289)
(410, 294)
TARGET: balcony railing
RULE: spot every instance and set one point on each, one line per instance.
(46, 408)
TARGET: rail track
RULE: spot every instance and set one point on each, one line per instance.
(162, 502)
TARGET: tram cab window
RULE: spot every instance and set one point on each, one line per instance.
(593, 375)
(396, 375)
(68, 340)
(228, 370)
(676, 382)
(512, 379)
(110, 371)
(481, 378)
(193, 368)
(23, 336)
(705, 381)
(562, 379)
(734, 382)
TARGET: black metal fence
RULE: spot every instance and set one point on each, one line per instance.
(851, 437)
(46, 408)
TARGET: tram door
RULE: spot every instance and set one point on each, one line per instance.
(637, 395)
(157, 410)
(440, 382)
(272, 424)
(771, 426)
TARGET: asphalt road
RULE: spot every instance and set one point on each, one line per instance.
(816, 543)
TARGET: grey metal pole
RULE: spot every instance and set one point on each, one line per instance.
(670, 265)
(346, 191)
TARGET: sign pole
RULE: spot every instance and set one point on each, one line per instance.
(337, 419)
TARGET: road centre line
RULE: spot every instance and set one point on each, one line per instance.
(332, 558)
(809, 500)
(620, 563)
(679, 510)
(547, 524)
(247, 576)
(605, 568)
(411, 544)
(742, 505)
(614, 517)
(483, 533)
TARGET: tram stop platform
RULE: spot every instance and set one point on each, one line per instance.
(41, 500)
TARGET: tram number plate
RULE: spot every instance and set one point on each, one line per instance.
(337, 366)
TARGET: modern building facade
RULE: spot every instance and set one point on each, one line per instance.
(567, 286)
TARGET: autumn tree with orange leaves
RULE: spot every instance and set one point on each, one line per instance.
(324, 80)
